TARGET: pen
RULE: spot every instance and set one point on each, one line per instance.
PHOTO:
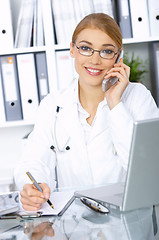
(38, 187)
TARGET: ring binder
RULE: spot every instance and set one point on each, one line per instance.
(10, 86)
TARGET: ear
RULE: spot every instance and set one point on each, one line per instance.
(72, 50)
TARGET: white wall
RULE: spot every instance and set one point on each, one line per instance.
(11, 146)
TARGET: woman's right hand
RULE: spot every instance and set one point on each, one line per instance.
(32, 199)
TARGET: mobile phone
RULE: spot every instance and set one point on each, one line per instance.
(107, 83)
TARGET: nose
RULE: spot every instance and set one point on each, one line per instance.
(95, 58)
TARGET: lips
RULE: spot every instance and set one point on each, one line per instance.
(93, 71)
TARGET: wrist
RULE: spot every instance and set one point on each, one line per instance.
(114, 103)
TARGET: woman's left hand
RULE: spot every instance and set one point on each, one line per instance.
(114, 93)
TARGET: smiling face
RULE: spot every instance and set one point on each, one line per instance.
(92, 69)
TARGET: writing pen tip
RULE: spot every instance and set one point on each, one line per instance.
(50, 203)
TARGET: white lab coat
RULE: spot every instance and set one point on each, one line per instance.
(103, 159)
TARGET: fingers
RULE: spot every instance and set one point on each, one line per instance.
(46, 190)
(124, 66)
(43, 229)
(32, 199)
(114, 93)
(120, 70)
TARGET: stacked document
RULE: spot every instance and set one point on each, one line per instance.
(9, 202)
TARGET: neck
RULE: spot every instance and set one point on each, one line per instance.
(90, 97)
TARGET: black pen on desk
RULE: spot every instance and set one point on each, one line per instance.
(38, 187)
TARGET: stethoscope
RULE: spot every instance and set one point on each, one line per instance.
(55, 147)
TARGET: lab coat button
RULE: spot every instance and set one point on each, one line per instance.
(67, 148)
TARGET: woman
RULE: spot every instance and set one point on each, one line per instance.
(84, 131)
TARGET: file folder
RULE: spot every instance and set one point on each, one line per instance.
(139, 18)
(2, 110)
(124, 18)
(103, 6)
(78, 12)
(153, 7)
(62, 19)
(6, 29)
(25, 24)
(47, 22)
(40, 27)
(58, 23)
(154, 65)
(10, 86)
(85, 7)
(64, 66)
(28, 85)
(38, 31)
(42, 76)
(68, 18)
(35, 22)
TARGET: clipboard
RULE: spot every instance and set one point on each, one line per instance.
(60, 200)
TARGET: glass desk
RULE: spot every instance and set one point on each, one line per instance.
(79, 222)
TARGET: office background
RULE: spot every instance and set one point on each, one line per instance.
(56, 51)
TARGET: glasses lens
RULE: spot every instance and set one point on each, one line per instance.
(107, 53)
(86, 51)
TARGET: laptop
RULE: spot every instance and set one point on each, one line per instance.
(141, 186)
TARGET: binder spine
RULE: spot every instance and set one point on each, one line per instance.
(2, 109)
(28, 85)
(139, 18)
(10, 86)
(64, 65)
(42, 76)
(6, 29)
(153, 9)
(124, 18)
(154, 65)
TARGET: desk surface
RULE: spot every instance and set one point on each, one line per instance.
(80, 223)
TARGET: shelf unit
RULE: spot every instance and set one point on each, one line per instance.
(143, 40)
(50, 49)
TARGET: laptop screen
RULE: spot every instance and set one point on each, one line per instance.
(141, 187)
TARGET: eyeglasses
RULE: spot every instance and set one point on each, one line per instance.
(107, 53)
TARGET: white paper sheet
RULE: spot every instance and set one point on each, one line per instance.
(60, 201)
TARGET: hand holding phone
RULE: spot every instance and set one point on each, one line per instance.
(107, 83)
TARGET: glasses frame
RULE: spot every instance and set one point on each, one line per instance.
(93, 50)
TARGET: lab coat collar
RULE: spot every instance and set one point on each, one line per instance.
(69, 95)
(67, 118)
(102, 121)
(69, 130)
(67, 101)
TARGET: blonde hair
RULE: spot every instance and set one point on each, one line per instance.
(102, 22)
